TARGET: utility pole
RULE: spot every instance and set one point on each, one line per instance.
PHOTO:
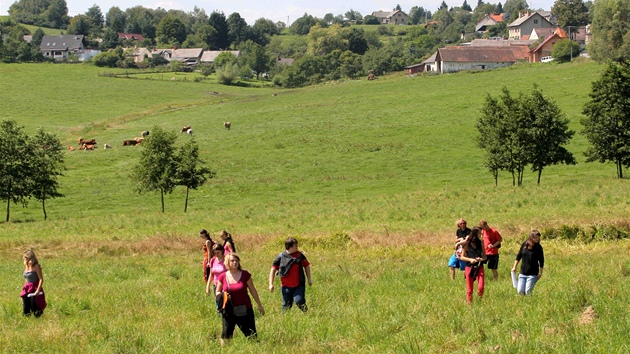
(571, 43)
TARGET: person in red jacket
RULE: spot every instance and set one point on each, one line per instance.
(492, 242)
(291, 266)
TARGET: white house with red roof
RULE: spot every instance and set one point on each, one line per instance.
(487, 21)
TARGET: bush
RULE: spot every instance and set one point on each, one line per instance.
(228, 74)
(107, 59)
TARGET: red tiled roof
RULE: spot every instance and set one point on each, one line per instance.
(133, 36)
(498, 18)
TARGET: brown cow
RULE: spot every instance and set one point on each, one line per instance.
(138, 140)
(130, 143)
(70, 147)
(186, 129)
(89, 142)
(86, 147)
(227, 125)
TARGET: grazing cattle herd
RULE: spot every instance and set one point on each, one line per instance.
(90, 144)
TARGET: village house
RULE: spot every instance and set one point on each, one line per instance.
(526, 22)
(487, 21)
(131, 36)
(187, 56)
(425, 66)
(59, 47)
(458, 58)
(209, 56)
(396, 17)
(545, 48)
(138, 54)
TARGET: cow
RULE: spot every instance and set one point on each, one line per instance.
(86, 147)
(70, 147)
(138, 140)
(107, 146)
(89, 141)
(227, 125)
(189, 132)
(130, 143)
(145, 133)
(186, 129)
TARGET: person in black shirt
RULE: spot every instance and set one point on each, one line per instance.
(460, 237)
(533, 261)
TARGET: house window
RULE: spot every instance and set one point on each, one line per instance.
(535, 22)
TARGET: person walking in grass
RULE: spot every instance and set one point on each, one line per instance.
(533, 261)
(291, 264)
(492, 242)
(236, 282)
(217, 267)
(33, 297)
(207, 247)
(460, 238)
(473, 252)
(228, 243)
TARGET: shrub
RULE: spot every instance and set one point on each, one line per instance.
(108, 59)
(228, 74)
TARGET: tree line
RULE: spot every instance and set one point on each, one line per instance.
(530, 129)
(325, 48)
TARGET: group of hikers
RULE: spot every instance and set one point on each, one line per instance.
(230, 283)
(480, 245)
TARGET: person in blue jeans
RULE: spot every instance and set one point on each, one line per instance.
(460, 238)
(294, 270)
(532, 260)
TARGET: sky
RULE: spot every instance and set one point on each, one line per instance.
(286, 11)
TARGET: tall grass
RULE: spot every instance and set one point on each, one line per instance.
(144, 296)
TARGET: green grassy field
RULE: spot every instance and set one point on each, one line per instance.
(369, 175)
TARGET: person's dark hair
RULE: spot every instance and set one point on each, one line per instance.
(204, 233)
(217, 247)
(474, 237)
(530, 241)
(290, 242)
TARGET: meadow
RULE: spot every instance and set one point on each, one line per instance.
(370, 176)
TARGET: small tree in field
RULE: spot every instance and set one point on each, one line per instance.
(516, 132)
(190, 170)
(16, 157)
(490, 139)
(549, 132)
(607, 121)
(47, 166)
(157, 168)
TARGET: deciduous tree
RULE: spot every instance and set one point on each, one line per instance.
(47, 166)
(549, 132)
(570, 13)
(611, 30)
(157, 168)
(607, 121)
(191, 170)
(116, 19)
(516, 132)
(171, 30)
(16, 158)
